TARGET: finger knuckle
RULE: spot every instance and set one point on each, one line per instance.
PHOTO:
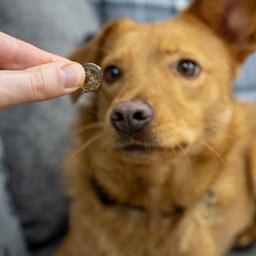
(38, 84)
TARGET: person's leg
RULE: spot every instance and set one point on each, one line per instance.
(11, 238)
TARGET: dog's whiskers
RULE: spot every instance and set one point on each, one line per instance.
(93, 112)
(95, 156)
(216, 153)
(183, 151)
(92, 139)
(89, 126)
(213, 127)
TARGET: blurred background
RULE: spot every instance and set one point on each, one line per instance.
(37, 136)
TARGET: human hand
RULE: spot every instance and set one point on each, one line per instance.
(28, 74)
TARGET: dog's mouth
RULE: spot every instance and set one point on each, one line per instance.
(140, 148)
(149, 149)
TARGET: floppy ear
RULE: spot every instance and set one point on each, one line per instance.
(93, 51)
(233, 20)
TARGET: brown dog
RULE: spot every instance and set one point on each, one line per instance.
(165, 163)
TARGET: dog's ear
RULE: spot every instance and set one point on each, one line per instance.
(233, 20)
(93, 51)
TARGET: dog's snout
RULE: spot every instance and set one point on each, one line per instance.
(131, 116)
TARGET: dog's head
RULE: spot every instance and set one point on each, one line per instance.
(167, 86)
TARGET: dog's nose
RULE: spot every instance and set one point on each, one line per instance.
(131, 116)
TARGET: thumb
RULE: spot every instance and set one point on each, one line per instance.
(40, 83)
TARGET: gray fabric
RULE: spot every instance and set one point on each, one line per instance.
(36, 136)
(140, 13)
(12, 241)
(57, 26)
(245, 86)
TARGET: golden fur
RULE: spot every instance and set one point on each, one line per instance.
(200, 138)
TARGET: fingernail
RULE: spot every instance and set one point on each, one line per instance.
(72, 75)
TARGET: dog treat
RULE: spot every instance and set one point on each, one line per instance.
(93, 77)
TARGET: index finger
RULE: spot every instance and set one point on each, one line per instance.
(16, 54)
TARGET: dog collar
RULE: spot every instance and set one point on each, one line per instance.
(211, 213)
(106, 200)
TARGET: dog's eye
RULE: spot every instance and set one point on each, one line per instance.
(111, 74)
(188, 69)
